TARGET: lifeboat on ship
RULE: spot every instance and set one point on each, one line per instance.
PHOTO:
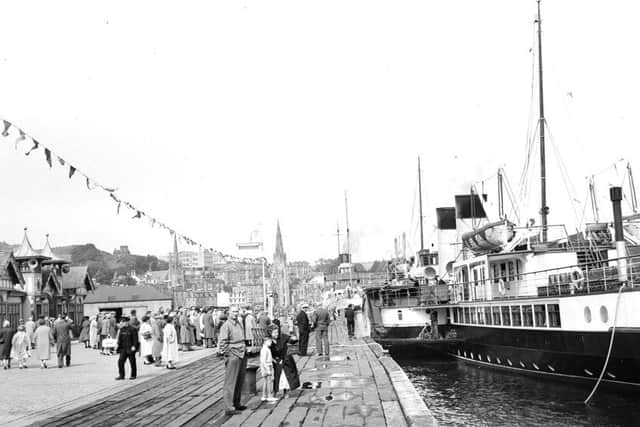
(489, 238)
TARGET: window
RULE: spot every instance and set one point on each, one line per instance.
(473, 315)
(527, 315)
(515, 315)
(553, 310)
(512, 274)
(604, 314)
(455, 315)
(466, 315)
(480, 315)
(460, 315)
(496, 315)
(506, 319)
(541, 315)
(487, 315)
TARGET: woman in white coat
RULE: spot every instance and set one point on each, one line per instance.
(146, 340)
(42, 340)
(170, 344)
(93, 332)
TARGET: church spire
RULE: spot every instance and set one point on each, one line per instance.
(26, 250)
(279, 245)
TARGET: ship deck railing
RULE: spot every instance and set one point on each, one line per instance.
(599, 276)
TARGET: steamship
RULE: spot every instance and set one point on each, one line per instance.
(527, 299)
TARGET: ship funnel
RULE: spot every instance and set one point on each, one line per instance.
(447, 238)
(615, 194)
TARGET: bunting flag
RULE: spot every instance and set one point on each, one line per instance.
(47, 156)
(20, 138)
(93, 184)
(36, 144)
(7, 125)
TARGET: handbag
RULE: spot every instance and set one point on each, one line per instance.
(147, 336)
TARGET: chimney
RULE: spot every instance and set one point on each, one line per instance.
(447, 238)
(615, 194)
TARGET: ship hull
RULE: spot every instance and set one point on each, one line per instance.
(566, 355)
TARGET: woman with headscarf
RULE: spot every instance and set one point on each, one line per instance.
(283, 362)
(6, 335)
(84, 332)
(42, 340)
(93, 332)
(170, 344)
(156, 349)
(186, 333)
(146, 340)
(21, 346)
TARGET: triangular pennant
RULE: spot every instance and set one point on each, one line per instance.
(72, 170)
(110, 190)
(88, 183)
(47, 156)
(114, 197)
(137, 215)
(36, 144)
(61, 160)
(7, 125)
(20, 138)
(118, 209)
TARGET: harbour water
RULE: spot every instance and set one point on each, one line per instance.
(460, 394)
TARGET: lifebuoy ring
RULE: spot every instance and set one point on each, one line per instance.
(501, 287)
(577, 278)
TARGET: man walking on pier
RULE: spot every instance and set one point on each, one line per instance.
(350, 315)
(128, 345)
(302, 321)
(321, 321)
(62, 336)
(231, 344)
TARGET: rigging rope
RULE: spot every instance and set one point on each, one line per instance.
(606, 361)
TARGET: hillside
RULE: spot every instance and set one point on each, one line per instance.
(103, 265)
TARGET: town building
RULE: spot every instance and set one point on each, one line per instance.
(12, 296)
(51, 284)
(124, 250)
(122, 299)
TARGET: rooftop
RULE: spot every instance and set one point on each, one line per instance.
(125, 294)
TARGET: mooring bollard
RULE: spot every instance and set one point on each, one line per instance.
(250, 379)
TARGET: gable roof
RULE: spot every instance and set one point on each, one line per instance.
(78, 278)
(106, 293)
(50, 276)
(9, 269)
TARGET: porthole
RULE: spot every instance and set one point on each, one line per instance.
(587, 314)
(604, 314)
(399, 314)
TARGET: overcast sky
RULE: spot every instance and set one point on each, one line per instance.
(218, 118)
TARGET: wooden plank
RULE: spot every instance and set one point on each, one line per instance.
(393, 414)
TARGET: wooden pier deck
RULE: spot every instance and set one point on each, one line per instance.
(360, 386)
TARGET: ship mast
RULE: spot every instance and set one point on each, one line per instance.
(544, 209)
(420, 200)
(346, 212)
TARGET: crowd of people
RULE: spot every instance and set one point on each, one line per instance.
(159, 337)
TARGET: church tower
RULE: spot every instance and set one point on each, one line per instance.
(279, 273)
(175, 272)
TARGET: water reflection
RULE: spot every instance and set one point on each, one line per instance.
(460, 394)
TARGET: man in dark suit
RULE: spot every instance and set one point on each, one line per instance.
(128, 345)
(62, 336)
(302, 321)
(350, 315)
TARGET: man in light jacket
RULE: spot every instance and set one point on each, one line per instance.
(321, 320)
(231, 344)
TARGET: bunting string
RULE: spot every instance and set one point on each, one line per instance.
(10, 129)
